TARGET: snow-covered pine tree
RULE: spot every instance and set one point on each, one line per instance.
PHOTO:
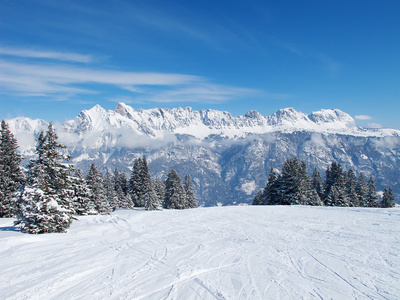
(335, 186)
(109, 190)
(135, 182)
(152, 200)
(11, 175)
(175, 196)
(190, 197)
(258, 199)
(45, 202)
(94, 180)
(309, 195)
(159, 188)
(372, 195)
(351, 188)
(362, 190)
(269, 195)
(388, 198)
(82, 200)
(317, 182)
(140, 182)
(121, 188)
(289, 183)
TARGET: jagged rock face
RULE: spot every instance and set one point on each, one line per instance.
(227, 157)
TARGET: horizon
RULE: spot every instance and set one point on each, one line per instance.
(59, 59)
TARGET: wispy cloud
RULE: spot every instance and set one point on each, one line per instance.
(63, 56)
(60, 82)
(328, 62)
(363, 117)
(375, 125)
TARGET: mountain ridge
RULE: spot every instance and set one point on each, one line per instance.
(182, 120)
(228, 157)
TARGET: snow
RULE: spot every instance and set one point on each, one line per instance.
(93, 125)
(253, 252)
(249, 187)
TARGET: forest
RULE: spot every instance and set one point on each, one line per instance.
(49, 193)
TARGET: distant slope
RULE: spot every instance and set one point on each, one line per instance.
(209, 253)
(228, 157)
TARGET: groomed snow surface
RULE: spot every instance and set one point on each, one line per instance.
(254, 252)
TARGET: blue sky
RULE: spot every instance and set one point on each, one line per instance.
(59, 57)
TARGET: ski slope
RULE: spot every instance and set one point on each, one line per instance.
(242, 252)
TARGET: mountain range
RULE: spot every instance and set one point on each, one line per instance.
(228, 157)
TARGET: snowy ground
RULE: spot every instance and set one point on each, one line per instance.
(293, 252)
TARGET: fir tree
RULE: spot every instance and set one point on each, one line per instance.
(110, 192)
(351, 188)
(388, 198)
(94, 180)
(45, 203)
(11, 175)
(372, 195)
(159, 188)
(175, 196)
(317, 182)
(269, 195)
(309, 195)
(288, 182)
(152, 200)
(121, 189)
(140, 182)
(258, 199)
(82, 200)
(362, 190)
(335, 186)
(190, 197)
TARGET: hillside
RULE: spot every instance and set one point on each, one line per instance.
(268, 252)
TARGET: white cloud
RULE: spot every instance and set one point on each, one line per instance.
(59, 81)
(200, 92)
(363, 117)
(63, 56)
(375, 125)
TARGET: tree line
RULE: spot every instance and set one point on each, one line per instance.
(294, 186)
(48, 195)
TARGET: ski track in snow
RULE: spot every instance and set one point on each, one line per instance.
(254, 252)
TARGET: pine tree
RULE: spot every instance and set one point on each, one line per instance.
(351, 188)
(388, 198)
(11, 175)
(82, 200)
(290, 183)
(175, 196)
(152, 200)
(110, 192)
(159, 188)
(309, 195)
(362, 190)
(140, 182)
(190, 197)
(121, 188)
(372, 195)
(269, 195)
(94, 180)
(258, 199)
(292, 187)
(45, 203)
(317, 182)
(335, 186)
(135, 182)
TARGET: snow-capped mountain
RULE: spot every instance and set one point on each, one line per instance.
(228, 157)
